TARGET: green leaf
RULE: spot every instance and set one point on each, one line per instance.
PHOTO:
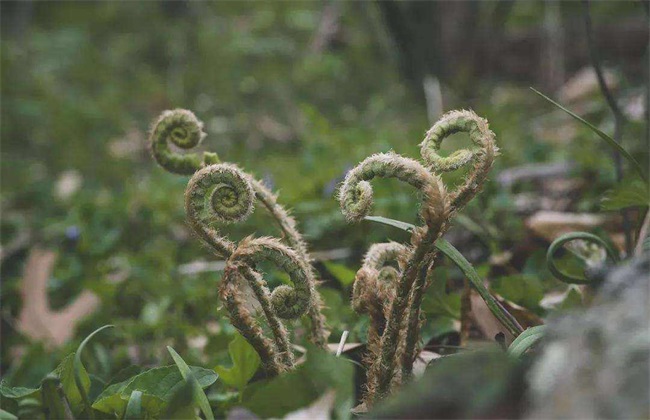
(54, 403)
(630, 193)
(66, 374)
(572, 299)
(79, 371)
(342, 273)
(526, 340)
(134, 407)
(245, 362)
(17, 392)
(453, 254)
(610, 141)
(197, 392)
(181, 404)
(391, 222)
(157, 386)
(291, 391)
(4, 415)
(437, 327)
(521, 289)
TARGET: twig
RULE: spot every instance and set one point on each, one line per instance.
(619, 119)
(344, 337)
(643, 232)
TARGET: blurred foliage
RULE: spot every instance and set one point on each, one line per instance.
(81, 83)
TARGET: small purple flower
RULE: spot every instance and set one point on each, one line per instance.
(72, 233)
(268, 181)
(330, 187)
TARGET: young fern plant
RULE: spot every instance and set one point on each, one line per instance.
(392, 294)
(221, 193)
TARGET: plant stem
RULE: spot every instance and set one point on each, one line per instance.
(619, 118)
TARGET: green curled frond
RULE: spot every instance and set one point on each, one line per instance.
(274, 354)
(182, 129)
(573, 236)
(481, 157)
(287, 302)
(379, 255)
(355, 195)
(375, 281)
(219, 193)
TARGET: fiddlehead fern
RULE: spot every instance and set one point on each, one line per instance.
(222, 193)
(355, 197)
(481, 160)
(481, 157)
(218, 194)
(181, 128)
(402, 323)
(374, 286)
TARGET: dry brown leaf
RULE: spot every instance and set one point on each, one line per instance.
(36, 319)
(485, 320)
(585, 83)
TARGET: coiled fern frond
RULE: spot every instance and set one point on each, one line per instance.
(394, 305)
(221, 193)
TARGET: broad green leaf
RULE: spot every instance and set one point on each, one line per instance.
(454, 255)
(4, 415)
(526, 340)
(54, 403)
(197, 392)
(181, 404)
(299, 388)
(336, 310)
(157, 386)
(610, 141)
(79, 371)
(342, 273)
(521, 289)
(134, 407)
(17, 392)
(437, 327)
(627, 194)
(245, 362)
(66, 374)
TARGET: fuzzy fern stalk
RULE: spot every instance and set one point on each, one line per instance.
(220, 193)
(392, 296)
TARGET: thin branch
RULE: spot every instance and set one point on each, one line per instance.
(619, 119)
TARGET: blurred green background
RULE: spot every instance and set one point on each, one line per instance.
(296, 93)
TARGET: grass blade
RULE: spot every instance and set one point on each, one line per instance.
(610, 141)
(78, 366)
(526, 340)
(468, 270)
(392, 222)
(454, 255)
(134, 407)
(199, 396)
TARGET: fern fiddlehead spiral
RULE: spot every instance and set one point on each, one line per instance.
(398, 342)
(479, 160)
(223, 193)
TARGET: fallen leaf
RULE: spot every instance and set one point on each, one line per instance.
(36, 319)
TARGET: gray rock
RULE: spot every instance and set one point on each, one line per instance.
(596, 363)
